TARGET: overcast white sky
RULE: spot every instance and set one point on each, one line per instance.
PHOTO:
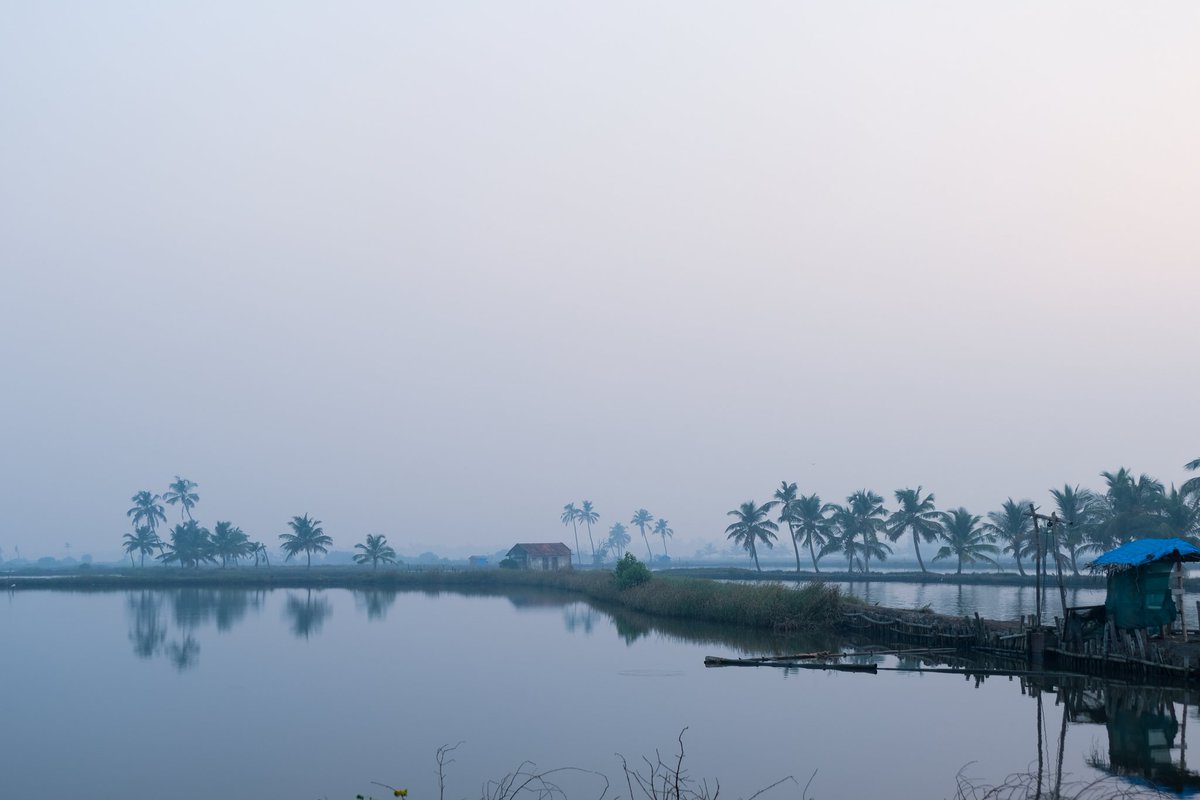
(435, 269)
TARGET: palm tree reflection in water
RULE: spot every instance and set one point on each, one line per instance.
(306, 615)
(191, 609)
(375, 601)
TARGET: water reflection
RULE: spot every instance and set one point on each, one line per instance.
(1143, 726)
(184, 653)
(1140, 732)
(375, 601)
(580, 616)
(307, 614)
(146, 631)
(226, 607)
(191, 609)
(990, 601)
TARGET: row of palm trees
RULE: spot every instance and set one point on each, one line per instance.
(188, 544)
(617, 542)
(1084, 521)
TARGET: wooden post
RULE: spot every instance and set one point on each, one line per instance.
(1177, 590)
(1183, 736)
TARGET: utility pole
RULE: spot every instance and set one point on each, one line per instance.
(1052, 525)
(1037, 564)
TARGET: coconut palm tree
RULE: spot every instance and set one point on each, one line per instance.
(190, 546)
(618, 539)
(812, 525)
(642, 518)
(146, 511)
(663, 529)
(182, 492)
(306, 537)
(916, 515)
(785, 496)
(1012, 526)
(966, 539)
(588, 516)
(259, 550)
(1191, 485)
(143, 540)
(1180, 514)
(1131, 507)
(229, 542)
(751, 526)
(375, 549)
(1074, 509)
(570, 516)
(862, 518)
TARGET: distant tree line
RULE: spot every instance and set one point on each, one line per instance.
(618, 539)
(861, 528)
(189, 544)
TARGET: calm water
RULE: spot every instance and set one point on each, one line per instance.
(295, 694)
(992, 602)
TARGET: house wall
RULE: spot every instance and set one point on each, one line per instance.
(543, 563)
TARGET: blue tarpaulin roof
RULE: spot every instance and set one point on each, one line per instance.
(1146, 551)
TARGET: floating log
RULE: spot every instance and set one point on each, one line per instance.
(717, 661)
(822, 655)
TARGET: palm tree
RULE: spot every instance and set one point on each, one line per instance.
(1013, 526)
(1132, 507)
(306, 537)
(190, 546)
(785, 495)
(618, 539)
(570, 515)
(1180, 515)
(143, 540)
(146, 511)
(1074, 508)
(812, 525)
(182, 492)
(229, 541)
(259, 550)
(915, 514)
(1191, 485)
(863, 518)
(664, 530)
(965, 538)
(588, 515)
(752, 526)
(375, 550)
(642, 518)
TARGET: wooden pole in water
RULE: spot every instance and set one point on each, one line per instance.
(1041, 763)
(1183, 736)
(1177, 590)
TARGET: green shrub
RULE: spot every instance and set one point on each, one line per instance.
(630, 572)
(509, 563)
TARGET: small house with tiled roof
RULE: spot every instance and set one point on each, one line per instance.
(541, 555)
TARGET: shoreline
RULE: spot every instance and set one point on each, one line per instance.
(771, 607)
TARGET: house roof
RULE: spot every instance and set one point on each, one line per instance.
(1145, 551)
(539, 549)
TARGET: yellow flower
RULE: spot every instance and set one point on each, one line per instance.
(400, 792)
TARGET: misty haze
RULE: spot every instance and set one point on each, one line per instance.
(578, 402)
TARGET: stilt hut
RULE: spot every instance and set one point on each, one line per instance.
(1140, 585)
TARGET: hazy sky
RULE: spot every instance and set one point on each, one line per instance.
(435, 269)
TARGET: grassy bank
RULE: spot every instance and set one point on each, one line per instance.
(762, 607)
